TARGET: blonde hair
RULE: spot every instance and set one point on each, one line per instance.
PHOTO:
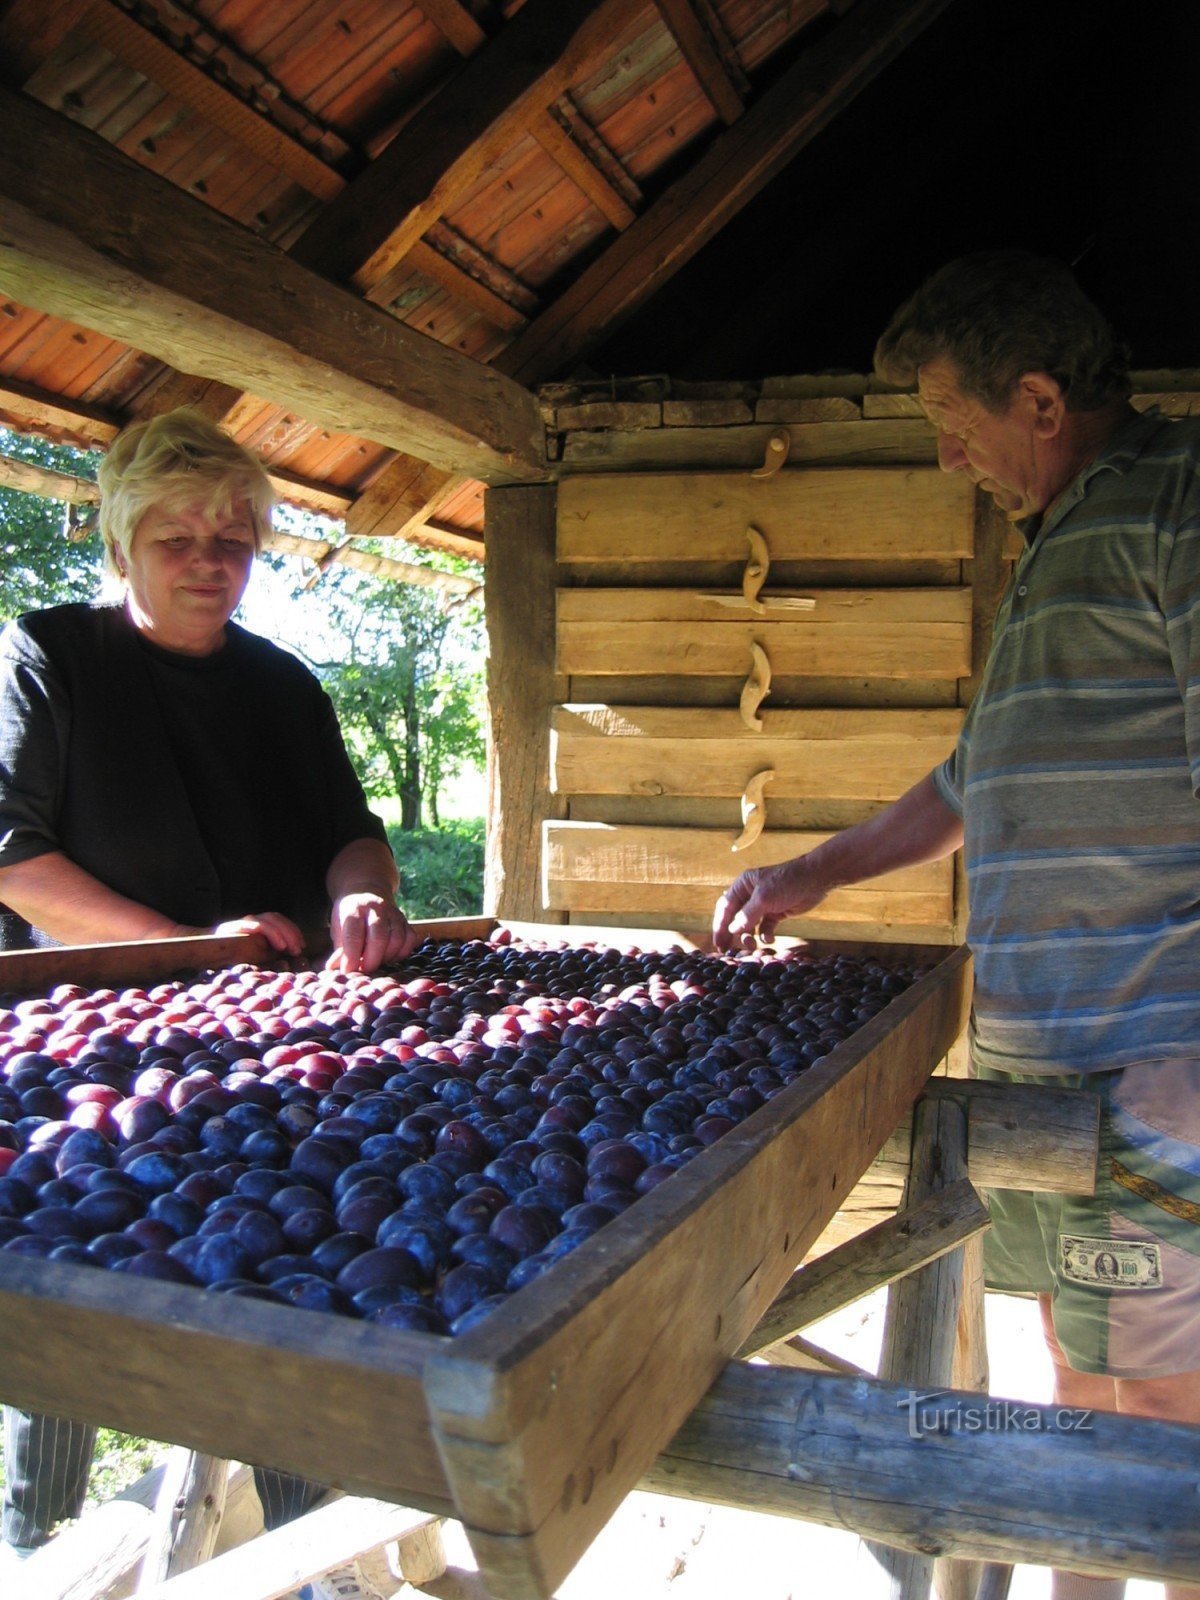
(175, 460)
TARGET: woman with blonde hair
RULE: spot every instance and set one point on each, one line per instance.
(164, 772)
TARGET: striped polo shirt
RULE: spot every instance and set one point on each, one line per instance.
(1078, 770)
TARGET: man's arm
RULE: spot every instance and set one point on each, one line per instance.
(367, 927)
(918, 827)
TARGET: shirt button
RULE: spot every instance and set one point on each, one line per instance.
(1023, 590)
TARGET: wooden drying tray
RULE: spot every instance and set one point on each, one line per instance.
(532, 1427)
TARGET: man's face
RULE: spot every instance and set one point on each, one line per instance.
(998, 450)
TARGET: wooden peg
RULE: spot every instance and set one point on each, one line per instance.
(754, 809)
(757, 566)
(778, 446)
(756, 688)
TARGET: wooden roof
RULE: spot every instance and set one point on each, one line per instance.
(359, 232)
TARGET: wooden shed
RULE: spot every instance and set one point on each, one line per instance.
(586, 290)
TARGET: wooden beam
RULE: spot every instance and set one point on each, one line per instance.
(702, 56)
(735, 168)
(452, 19)
(984, 1479)
(26, 408)
(322, 555)
(441, 152)
(90, 236)
(579, 167)
(448, 275)
(114, 30)
(51, 485)
(929, 1228)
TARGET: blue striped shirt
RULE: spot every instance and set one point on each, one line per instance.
(1078, 770)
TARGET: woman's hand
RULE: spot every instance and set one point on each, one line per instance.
(369, 930)
(280, 932)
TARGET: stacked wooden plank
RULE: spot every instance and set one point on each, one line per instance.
(795, 644)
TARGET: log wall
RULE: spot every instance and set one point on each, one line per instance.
(771, 611)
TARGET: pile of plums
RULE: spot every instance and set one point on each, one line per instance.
(408, 1147)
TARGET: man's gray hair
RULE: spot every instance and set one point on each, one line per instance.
(998, 315)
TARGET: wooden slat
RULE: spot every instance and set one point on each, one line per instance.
(884, 633)
(653, 871)
(547, 1445)
(702, 57)
(705, 448)
(579, 167)
(166, 274)
(815, 514)
(452, 140)
(808, 96)
(117, 32)
(668, 750)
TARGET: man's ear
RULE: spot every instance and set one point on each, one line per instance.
(1044, 401)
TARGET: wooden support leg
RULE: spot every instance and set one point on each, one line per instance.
(921, 1325)
(961, 1580)
(418, 1558)
(187, 1516)
(938, 1223)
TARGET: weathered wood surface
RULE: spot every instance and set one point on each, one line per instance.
(866, 444)
(523, 686)
(127, 962)
(329, 1398)
(819, 514)
(278, 1562)
(699, 752)
(883, 633)
(548, 1416)
(44, 481)
(651, 869)
(92, 237)
(983, 1479)
(187, 1516)
(921, 1233)
(920, 1330)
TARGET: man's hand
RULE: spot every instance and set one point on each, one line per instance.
(760, 899)
(369, 931)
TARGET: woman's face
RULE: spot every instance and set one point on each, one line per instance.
(186, 571)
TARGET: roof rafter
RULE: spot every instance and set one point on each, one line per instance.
(739, 163)
(90, 236)
(440, 153)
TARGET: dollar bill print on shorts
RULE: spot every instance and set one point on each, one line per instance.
(1111, 1263)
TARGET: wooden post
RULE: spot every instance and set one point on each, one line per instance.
(187, 1516)
(522, 688)
(922, 1312)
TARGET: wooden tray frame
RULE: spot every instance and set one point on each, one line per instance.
(534, 1426)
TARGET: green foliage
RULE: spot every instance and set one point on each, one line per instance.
(39, 565)
(441, 870)
(405, 673)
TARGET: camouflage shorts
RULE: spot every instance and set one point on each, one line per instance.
(1122, 1265)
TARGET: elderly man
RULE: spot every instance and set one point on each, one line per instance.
(1074, 790)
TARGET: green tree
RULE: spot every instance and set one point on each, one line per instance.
(39, 565)
(405, 672)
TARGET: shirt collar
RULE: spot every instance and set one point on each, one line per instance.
(1120, 453)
